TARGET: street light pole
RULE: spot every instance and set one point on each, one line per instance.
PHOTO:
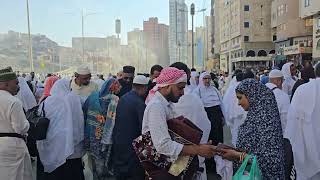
(29, 38)
(82, 27)
(192, 11)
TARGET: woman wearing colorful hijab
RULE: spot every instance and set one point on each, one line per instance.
(100, 112)
(48, 85)
(261, 132)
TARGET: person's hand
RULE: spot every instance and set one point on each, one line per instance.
(207, 150)
(229, 154)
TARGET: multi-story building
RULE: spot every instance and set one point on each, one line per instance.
(244, 32)
(310, 9)
(178, 31)
(156, 40)
(291, 34)
(135, 37)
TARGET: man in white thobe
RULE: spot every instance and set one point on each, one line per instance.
(283, 101)
(15, 163)
(303, 129)
(169, 89)
(82, 84)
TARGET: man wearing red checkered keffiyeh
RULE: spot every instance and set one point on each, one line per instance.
(168, 76)
(169, 88)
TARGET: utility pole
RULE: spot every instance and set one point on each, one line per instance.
(192, 11)
(30, 40)
(82, 28)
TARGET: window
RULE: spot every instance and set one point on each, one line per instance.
(318, 45)
(246, 8)
(246, 24)
(318, 23)
(246, 38)
(274, 37)
(286, 8)
(281, 9)
(261, 23)
(306, 3)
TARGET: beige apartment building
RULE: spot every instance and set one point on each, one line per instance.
(291, 34)
(310, 9)
(244, 33)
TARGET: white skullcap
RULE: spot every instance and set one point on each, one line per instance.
(275, 73)
(140, 79)
(83, 70)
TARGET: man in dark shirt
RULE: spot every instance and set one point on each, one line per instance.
(128, 126)
(154, 73)
(126, 80)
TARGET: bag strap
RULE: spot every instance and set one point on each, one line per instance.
(274, 88)
(42, 109)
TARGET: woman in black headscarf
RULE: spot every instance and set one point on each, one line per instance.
(261, 132)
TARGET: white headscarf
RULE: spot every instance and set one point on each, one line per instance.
(66, 127)
(303, 129)
(211, 87)
(25, 95)
(286, 70)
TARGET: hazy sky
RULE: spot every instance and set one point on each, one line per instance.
(60, 20)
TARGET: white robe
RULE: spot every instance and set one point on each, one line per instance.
(303, 130)
(235, 114)
(283, 103)
(66, 127)
(191, 107)
(288, 82)
(15, 163)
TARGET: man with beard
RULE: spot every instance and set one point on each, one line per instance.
(128, 124)
(82, 84)
(126, 80)
(169, 88)
(14, 156)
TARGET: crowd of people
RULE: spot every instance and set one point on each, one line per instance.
(94, 122)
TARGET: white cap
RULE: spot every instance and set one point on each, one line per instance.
(140, 79)
(275, 73)
(83, 70)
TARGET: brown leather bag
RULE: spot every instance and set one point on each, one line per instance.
(157, 165)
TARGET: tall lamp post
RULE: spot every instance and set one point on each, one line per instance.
(83, 15)
(29, 39)
(192, 11)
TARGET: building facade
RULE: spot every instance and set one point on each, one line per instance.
(244, 31)
(156, 37)
(178, 31)
(310, 11)
(291, 34)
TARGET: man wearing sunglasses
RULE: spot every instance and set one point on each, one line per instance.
(126, 80)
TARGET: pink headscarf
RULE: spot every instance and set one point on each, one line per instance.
(48, 85)
(168, 76)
